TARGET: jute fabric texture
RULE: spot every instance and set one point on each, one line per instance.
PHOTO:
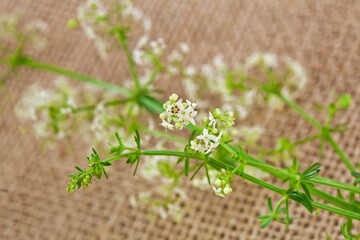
(324, 36)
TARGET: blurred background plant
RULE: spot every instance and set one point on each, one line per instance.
(264, 81)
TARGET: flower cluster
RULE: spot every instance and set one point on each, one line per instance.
(97, 21)
(222, 185)
(206, 142)
(83, 177)
(60, 111)
(182, 113)
(16, 36)
(49, 109)
(147, 52)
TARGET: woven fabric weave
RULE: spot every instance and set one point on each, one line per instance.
(324, 36)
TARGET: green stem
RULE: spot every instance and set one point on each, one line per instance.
(106, 104)
(163, 135)
(337, 210)
(305, 140)
(276, 172)
(333, 200)
(221, 165)
(328, 138)
(345, 159)
(152, 77)
(122, 38)
(39, 65)
(333, 183)
(300, 111)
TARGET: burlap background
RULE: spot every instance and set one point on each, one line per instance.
(324, 36)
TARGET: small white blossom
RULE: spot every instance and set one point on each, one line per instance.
(190, 71)
(167, 125)
(184, 48)
(181, 113)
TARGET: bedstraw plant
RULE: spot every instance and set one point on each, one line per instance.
(215, 153)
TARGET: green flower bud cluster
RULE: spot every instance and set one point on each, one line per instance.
(83, 177)
(344, 101)
(222, 185)
(226, 118)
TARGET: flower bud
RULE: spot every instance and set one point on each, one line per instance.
(178, 125)
(72, 23)
(217, 112)
(173, 97)
(218, 183)
(163, 116)
(228, 124)
(227, 189)
(204, 120)
(215, 131)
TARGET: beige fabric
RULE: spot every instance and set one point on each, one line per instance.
(324, 36)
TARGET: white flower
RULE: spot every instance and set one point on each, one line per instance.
(206, 137)
(219, 62)
(227, 189)
(181, 113)
(167, 125)
(175, 56)
(270, 60)
(218, 191)
(184, 48)
(190, 71)
(212, 120)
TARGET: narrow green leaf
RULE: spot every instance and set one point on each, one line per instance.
(342, 228)
(105, 173)
(78, 168)
(306, 190)
(180, 159)
(310, 174)
(339, 194)
(186, 167)
(266, 222)
(207, 174)
(96, 154)
(137, 164)
(355, 174)
(197, 171)
(311, 168)
(269, 203)
(303, 200)
(287, 214)
(294, 163)
(137, 138)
